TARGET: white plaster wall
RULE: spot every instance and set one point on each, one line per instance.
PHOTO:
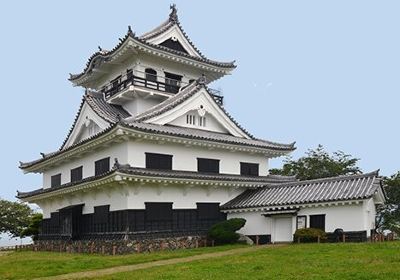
(347, 217)
(134, 196)
(256, 224)
(119, 151)
(370, 215)
(355, 217)
(185, 158)
(133, 152)
(140, 104)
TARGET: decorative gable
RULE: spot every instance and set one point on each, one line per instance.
(199, 120)
(174, 38)
(198, 111)
(87, 124)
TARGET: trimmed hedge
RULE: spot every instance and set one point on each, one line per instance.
(308, 235)
(225, 231)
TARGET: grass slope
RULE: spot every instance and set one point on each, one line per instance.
(28, 265)
(306, 261)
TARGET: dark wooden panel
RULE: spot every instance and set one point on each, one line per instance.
(207, 165)
(249, 169)
(158, 161)
(101, 166)
(56, 180)
(317, 221)
(77, 174)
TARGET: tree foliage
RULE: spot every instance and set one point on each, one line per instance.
(389, 214)
(14, 217)
(318, 163)
(33, 226)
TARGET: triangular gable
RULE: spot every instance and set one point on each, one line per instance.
(173, 38)
(198, 105)
(86, 125)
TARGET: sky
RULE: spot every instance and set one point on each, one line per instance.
(314, 72)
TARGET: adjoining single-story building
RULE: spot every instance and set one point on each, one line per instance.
(275, 212)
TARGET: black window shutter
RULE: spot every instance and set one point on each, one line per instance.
(317, 221)
(56, 180)
(249, 169)
(102, 166)
(207, 165)
(158, 161)
(77, 174)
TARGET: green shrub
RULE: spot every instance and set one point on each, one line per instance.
(309, 235)
(225, 232)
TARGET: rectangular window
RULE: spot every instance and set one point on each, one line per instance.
(172, 82)
(158, 211)
(102, 166)
(249, 169)
(191, 119)
(202, 121)
(76, 174)
(56, 180)
(207, 165)
(101, 214)
(317, 221)
(208, 211)
(158, 161)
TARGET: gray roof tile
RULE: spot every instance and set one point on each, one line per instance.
(321, 190)
(270, 179)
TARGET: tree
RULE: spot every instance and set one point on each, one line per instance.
(317, 163)
(33, 227)
(389, 214)
(14, 217)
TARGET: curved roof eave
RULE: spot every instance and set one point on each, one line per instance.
(105, 55)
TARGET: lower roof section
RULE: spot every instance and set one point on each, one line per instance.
(164, 133)
(144, 175)
(341, 188)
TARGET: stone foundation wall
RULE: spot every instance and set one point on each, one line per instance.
(114, 247)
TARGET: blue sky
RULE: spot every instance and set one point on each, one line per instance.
(315, 72)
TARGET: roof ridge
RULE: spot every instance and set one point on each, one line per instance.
(330, 179)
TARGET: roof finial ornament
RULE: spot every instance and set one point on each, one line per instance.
(130, 32)
(202, 80)
(119, 118)
(116, 164)
(43, 155)
(173, 16)
(100, 49)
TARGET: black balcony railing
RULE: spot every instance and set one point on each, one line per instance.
(170, 86)
(122, 83)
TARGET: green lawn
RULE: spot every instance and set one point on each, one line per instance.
(28, 265)
(306, 261)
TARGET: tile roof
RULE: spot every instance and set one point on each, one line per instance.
(115, 115)
(109, 112)
(192, 133)
(339, 188)
(182, 96)
(103, 55)
(175, 174)
(172, 21)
